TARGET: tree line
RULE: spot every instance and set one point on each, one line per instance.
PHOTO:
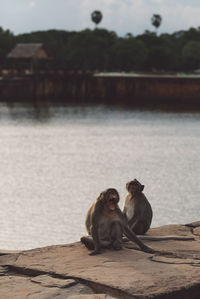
(104, 50)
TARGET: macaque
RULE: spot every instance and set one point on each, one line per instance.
(106, 224)
(138, 213)
(137, 209)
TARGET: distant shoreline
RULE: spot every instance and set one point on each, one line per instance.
(136, 90)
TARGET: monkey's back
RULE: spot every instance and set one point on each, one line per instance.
(93, 210)
(144, 214)
(88, 220)
(143, 208)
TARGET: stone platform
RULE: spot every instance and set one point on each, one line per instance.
(67, 271)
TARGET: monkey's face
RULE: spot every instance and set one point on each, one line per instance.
(111, 199)
(134, 187)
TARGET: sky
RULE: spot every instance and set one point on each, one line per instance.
(121, 16)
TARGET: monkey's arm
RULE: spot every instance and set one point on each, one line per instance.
(95, 217)
(138, 214)
(132, 237)
(132, 222)
(124, 213)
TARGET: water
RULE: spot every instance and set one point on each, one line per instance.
(55, 162)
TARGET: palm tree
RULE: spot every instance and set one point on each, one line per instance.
(96, 16)
(156, 21)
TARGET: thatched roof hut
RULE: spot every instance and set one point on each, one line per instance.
(29, 51)
(28, 57)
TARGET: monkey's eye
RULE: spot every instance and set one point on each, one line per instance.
(112, 199)
(134, 185)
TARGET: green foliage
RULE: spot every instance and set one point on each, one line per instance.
(160, 58)
(128, 54)
(6, 43)
(191, 55)
(103, 50)
(90, 49)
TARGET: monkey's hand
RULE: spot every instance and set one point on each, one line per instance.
(148, 249)
(95, 252)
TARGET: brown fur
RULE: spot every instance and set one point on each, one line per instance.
(106, 224)
(137, 208)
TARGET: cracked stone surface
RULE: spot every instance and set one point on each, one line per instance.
(94, 296)
(67, 271)
(23, 287)
(48, 281)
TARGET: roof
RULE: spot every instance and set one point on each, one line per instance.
(25, 50)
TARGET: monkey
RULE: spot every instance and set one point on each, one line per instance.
(106, 224)
(137, 208)
(138, 213)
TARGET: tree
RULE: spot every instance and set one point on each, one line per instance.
(90, 49)
(96, 16)
(128, 54)
(191, 55)
(6, 43)
(160, 58)
(156, 20)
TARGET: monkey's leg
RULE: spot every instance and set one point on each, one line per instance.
(95, 237)
(116, 235)
(88, 242)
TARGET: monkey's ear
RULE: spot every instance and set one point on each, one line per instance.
(127, 186)
(101, 196)
(142, 188)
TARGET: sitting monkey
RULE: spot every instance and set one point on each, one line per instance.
(137, 209)
(138, 213)
(106, 224)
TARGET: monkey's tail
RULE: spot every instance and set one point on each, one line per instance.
(162, 238)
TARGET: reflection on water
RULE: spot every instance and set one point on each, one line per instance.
(56, 160)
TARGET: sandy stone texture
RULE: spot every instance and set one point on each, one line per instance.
(67, 271)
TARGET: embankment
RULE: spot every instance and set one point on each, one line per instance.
(106, 89)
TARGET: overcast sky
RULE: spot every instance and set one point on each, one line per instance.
(122, 16)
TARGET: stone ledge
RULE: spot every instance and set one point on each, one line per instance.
(67, 271)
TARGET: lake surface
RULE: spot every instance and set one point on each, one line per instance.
(55, 162)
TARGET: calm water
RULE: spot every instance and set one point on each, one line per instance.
(56, 161)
